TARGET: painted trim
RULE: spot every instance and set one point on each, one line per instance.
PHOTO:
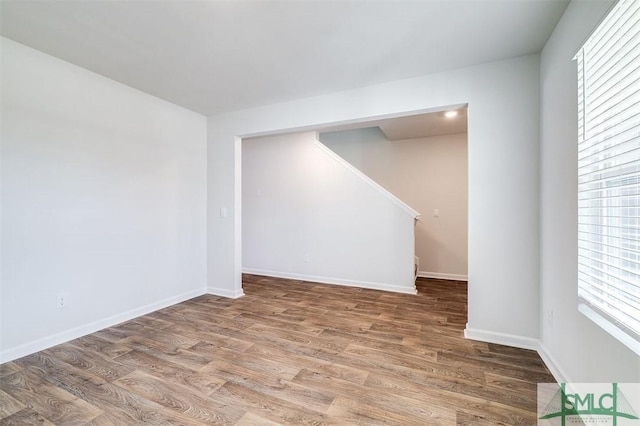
(223, 292)
(74, 333)
(501, 338)
(352, 123)
(395, 200)
(554, 367)
(335, 281)
(441, 276)
(237, 224)
(520, 342)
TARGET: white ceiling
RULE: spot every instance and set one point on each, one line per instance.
(217, 56)
(433, 123)
(423, 125)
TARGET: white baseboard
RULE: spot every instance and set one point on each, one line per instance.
(557, 372)
(65, 336)
(501, 338)
(411, 289)
(441, 276)
(520, 342)
(224, 292)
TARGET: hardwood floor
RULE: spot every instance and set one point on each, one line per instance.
(286, 353)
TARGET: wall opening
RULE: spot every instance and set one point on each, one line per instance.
(408, 136)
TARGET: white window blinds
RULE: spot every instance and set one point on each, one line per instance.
(609, 174)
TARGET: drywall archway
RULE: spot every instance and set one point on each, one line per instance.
(371, 226)
(503, 180)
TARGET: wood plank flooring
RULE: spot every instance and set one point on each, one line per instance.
(289, 353)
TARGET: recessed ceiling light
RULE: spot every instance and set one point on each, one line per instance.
(451, 114)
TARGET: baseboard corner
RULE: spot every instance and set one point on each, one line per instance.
(558, 374)
(224, 292)
(501, 338)
(442, 276)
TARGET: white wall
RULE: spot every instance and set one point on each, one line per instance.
(103, 198)
(503, 180)
(426, 173)
(308, 215)
(577, 349)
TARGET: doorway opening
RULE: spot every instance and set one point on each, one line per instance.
(420, 157)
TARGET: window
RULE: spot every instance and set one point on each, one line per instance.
(609, 174)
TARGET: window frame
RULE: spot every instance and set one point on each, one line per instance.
(609, 271)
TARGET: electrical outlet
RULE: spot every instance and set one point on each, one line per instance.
(62, 300)
(307, 258)
(550, 318)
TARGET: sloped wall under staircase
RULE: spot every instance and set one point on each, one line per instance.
(308, 214)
